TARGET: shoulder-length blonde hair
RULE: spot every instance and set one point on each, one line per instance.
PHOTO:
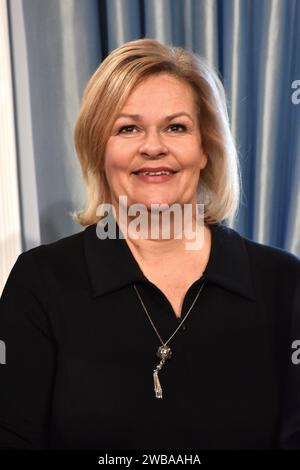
(105, 95)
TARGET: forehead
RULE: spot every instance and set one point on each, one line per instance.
(162, 89)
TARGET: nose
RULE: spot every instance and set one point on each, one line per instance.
(152, 145)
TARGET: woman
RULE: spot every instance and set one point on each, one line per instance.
(136, 342)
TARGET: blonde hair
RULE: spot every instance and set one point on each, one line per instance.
(106, 93)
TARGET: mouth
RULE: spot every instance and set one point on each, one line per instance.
(154, 173)
(155, 176)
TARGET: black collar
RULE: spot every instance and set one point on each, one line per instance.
(111, 265)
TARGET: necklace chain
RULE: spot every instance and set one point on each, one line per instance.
(180, 324)
(164, 352)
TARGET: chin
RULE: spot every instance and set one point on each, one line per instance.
(158, 202)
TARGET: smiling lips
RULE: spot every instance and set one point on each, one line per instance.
(158, 174)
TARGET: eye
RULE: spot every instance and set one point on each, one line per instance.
(125, 128)
(181, 126)
(174, 127)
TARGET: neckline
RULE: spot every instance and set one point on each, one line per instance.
(200, 279)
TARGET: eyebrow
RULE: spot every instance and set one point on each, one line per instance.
(138, 117)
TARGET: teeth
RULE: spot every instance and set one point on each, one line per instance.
(156, 173)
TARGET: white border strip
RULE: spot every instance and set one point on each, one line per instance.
(28, 184)
(10, 229)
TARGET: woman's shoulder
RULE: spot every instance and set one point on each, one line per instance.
(59, 262)
(59, 249)
(61, 245)
(263, 257)
(269, 258)
(61, 255)
(268, 253)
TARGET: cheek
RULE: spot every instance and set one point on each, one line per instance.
(197, 157)
(114, 166)
(191, 157)
(118, 157)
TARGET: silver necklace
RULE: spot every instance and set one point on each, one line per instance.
(164, 352)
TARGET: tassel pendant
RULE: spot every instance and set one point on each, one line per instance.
(164, 353)
(157, 386)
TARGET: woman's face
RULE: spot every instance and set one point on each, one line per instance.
(147, 138)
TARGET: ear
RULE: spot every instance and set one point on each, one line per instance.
(204, 160)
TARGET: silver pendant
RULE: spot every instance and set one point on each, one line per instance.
(164, 353)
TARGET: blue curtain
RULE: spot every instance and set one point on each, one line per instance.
(254, 44)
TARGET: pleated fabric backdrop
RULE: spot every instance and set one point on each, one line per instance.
(254, 44)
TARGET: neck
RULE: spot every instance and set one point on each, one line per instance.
(152, 250)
